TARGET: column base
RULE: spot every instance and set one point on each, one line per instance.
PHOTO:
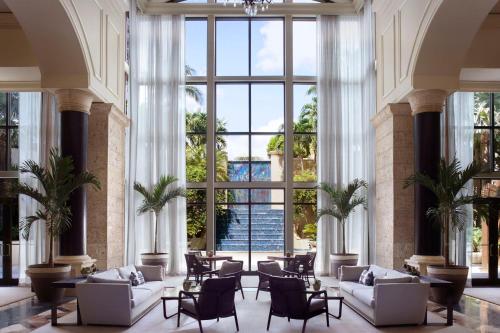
(421, 262)
(76, 263)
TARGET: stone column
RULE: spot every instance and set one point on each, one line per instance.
(394, 205)
(426, 106)
(74, 105)
(106, 208)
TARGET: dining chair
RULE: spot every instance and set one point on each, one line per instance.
(215, 300)
(196, 269)
(289, 299)
(233, 268)
(299, 266)
(266, 269)
(310, 271)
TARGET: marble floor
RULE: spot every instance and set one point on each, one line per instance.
(471, 315)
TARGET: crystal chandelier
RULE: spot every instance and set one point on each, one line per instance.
(252, 7)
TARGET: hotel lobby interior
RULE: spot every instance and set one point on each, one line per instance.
(249, 166)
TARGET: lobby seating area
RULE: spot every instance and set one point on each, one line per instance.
(249, 166)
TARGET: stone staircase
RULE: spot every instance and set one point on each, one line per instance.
(267, 229)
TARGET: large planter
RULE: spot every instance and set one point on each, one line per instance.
(154, 259)
(42, 277)
(455, 274)
(337, 260)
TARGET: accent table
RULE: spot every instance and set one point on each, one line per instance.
(66, 284)
(335, 297)
(173, 294)
(438, 283)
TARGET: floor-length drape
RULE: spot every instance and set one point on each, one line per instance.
(38, 133)
(157, 133)
(346, 97)
(460, 110)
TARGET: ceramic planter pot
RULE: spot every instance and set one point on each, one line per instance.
(477, 257)
(154, 259)
(455, 274)
(42, 277)
(337, 260)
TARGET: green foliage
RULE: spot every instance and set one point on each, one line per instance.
(311, 230)
(448, 188)
(55, 185)
(477, 236)
(156, 198)
(343, 202)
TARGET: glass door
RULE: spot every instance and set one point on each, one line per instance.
(485, 242)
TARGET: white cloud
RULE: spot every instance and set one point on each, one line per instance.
(192, 105)
(270, 56)
(304, 54)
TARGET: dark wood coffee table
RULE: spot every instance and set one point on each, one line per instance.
(173, 294)
(438, 283)
(66, 284)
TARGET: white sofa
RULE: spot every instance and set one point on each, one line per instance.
(395, 299)
(108, 298)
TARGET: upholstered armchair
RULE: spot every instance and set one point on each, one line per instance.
(266, 269)
(233, 268)
(289, 299)
(196, 269)
(215, 300)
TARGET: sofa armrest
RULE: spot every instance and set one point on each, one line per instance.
(404, 302)
(104, 303)
(152, 273)
(351, 273)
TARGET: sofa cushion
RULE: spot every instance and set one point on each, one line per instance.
(125, 271)
(365, 296)
(98, 279)
(378, 271)
(152, 286)
(139, 295)
(350, 286)
(151, 273)
(111, 274)
(351, 273)
(382, 280)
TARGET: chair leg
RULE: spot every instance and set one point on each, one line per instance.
(288, 319)
(256, 296)
(199, 324)
(179, 314)
(304, 326)
(327, 314)
(236, 320)
(241, 289)
(269, 319)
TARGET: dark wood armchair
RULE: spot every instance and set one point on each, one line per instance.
(299, 266)
(289, 299)
(195, 269)
(215, 300)
(266, 269)
(233, 268)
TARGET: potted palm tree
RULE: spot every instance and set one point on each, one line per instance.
(343, 202)
(449, 189)
(56, 183)
(154, 200)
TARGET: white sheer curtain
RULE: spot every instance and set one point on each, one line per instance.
(346, 97)
(157, 133)
(460, 110)
(38, 132)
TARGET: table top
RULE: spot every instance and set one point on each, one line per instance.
(172, 293)
(435, 282)
(68, 283)
(215, 258)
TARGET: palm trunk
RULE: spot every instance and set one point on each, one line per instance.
(51, 251)
(446, 249)
(343, 236)
(156, 234)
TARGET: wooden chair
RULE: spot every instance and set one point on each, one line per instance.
(196, 269)
(233, 268)
(266, 269)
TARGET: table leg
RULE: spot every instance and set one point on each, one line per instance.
(340, 311)
(165, 311)
(425, 317)
(449, 311)
(53, 314)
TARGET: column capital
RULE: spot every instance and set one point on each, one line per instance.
(427, 100)
(74, 100)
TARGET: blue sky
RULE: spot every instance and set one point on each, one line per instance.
(267, 100)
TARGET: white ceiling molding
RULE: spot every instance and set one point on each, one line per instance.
(342, 7)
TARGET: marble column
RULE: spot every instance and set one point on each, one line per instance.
(74, 105)
(426, 106)
(106, 208)
(394, 204)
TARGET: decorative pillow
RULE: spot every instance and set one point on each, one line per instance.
(126, 271)
(136, 279)
(366, 278)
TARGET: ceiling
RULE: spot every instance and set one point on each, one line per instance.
(3, 7)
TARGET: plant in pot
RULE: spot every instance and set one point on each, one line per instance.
(344, 201)
(449, 189)
(56, 183)
(154, 201)
(476, 245)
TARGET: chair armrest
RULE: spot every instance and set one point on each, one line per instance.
(189, 295)
(152, 273)
(314, 295)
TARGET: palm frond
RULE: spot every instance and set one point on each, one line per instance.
(328, 212)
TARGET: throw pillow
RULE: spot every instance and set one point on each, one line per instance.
(366, 278)
(136, 279)
(126, 271)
